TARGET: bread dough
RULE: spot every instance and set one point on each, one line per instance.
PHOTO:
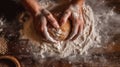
(62, 33)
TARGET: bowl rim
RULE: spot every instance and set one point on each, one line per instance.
(11, 58)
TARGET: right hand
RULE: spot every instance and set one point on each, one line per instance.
(41, 19)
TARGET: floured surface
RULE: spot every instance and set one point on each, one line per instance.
(97, 45)
(62, 49)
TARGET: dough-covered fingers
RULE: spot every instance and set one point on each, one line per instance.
(50, 18)
(78, 33)
(80, 29)
(75, 27)
(65, 17)
(78, 19)
(43, 30)
(48, 37)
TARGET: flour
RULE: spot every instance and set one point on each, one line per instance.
(100, 37)
(97, 32)
(80, 46)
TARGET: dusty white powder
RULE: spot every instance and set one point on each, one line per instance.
(41, 49)
(100, 27)
(101, 31)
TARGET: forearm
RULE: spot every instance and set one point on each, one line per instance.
(80, 2)
(31, 5)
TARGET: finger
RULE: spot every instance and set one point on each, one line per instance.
(48, 37)
(50, 18)
(75, 28)
(75, 37)
(65, 17)
(44, 30)
(80, 29)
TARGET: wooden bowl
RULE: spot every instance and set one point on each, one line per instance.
(9, 61)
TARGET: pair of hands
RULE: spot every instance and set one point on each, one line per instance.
(73, 13)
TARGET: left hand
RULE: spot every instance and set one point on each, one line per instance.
(73, 13)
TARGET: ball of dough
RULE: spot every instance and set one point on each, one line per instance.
(60, 34)
(63, 32)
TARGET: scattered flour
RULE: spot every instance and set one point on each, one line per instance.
(101, 27)
(87, 39)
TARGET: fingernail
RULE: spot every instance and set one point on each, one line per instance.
(58, 26)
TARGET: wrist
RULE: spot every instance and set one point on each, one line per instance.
(77, 2)
(37, 11)
(32, 6)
